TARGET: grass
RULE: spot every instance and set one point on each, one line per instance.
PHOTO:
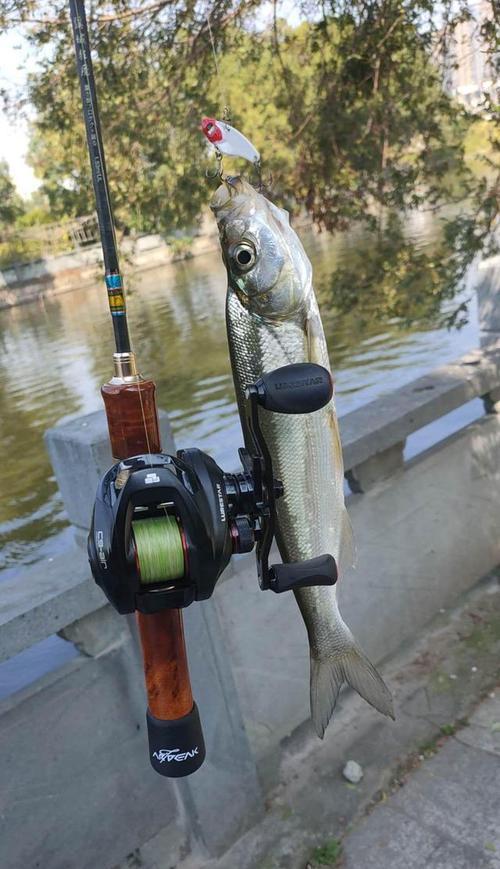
(483, 635)
(328, 854)
(429, 747)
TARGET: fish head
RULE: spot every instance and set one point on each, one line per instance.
(266, 264)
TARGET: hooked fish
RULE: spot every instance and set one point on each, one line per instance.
(273, 320)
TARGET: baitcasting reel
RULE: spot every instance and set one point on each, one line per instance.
(165, 527)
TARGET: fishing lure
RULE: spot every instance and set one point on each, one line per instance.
(228, 141)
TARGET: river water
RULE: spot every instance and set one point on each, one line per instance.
(55, 354)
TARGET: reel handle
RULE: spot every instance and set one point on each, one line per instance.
(302, 387)
(174, 727)
(321, 570)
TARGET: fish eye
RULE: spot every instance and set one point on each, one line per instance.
(243, 255)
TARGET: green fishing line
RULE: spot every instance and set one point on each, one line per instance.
(159, 549)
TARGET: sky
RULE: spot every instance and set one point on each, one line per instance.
(14, 52)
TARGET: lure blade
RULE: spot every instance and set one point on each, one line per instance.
(228, 140)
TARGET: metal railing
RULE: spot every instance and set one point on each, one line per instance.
(48, 239)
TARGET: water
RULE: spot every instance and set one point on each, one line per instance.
(55, 354)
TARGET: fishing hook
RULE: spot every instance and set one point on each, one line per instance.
(262, 186)
(217, 172)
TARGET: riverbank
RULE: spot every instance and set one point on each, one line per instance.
(51, 276)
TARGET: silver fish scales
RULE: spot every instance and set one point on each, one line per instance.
(273, 320)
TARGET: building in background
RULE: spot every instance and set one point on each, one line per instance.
(468, 71)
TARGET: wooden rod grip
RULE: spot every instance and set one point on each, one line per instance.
(133, 430)
(165, 664)
(132, 418)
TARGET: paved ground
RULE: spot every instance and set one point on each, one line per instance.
(447, 814)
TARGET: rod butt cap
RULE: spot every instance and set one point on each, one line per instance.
(177, 747)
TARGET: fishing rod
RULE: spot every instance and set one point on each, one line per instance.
(164, 527)
(132, 416)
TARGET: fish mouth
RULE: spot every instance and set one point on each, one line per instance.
(226, 193)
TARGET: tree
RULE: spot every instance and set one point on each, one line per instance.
(11, 204)
(348, 110)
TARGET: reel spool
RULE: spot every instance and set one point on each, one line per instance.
(160, 534)
(159, 549)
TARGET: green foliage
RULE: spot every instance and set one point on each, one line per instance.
(180, 246)
(36, 211)
(448, 729)
(329, 853)
(479, 146)
(16, 249)
(32, 243)
(11, 205)
(373, 128)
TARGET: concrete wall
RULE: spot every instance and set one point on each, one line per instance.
(53, 275)
(63, 804)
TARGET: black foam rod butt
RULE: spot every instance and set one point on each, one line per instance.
(176, 748)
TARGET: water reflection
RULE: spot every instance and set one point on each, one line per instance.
(55, 354)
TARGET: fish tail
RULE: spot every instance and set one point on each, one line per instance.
(328, 676)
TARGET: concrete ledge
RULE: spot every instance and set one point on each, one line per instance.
(77, 790)
(388, 420)
(80, 454)
(487, 295)
(97, 632)
(45, 599)
(378, 467)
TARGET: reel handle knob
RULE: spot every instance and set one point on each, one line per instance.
(303, 574)
(299, 388)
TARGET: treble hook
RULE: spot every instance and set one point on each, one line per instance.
(262, 186)
(217, 172)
